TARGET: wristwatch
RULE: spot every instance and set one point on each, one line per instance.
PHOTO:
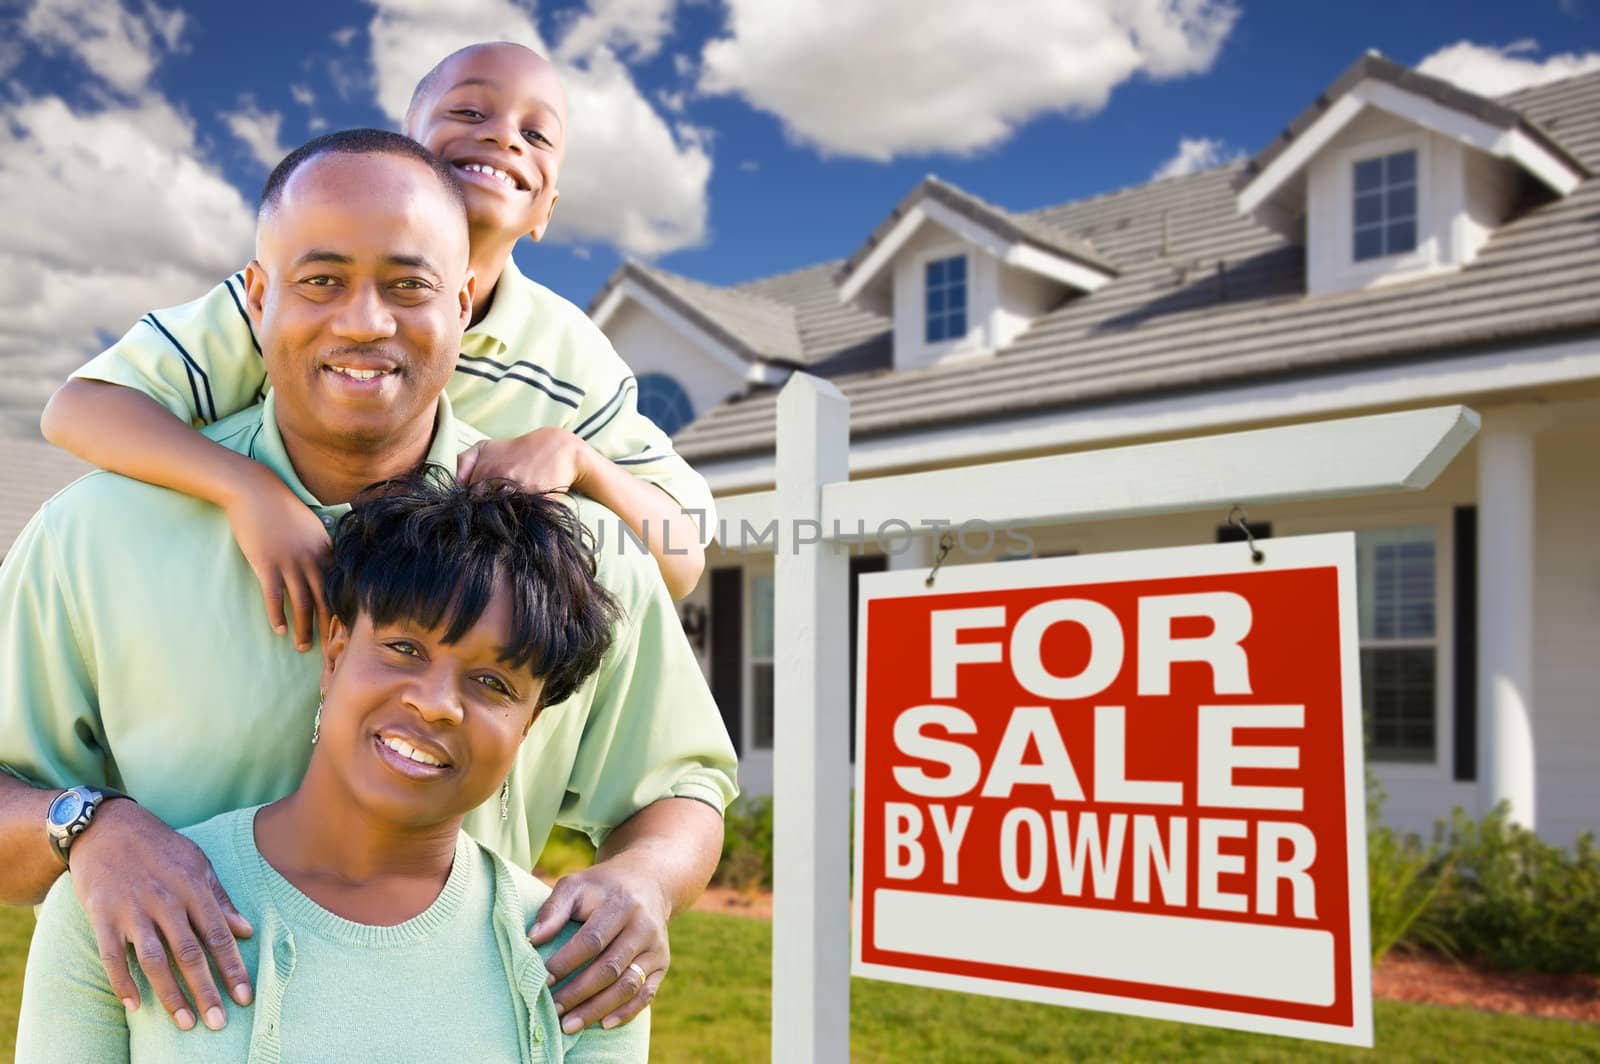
(70, 813)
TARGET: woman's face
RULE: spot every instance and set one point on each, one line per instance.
(421, 730)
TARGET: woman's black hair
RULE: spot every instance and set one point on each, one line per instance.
(425, 549)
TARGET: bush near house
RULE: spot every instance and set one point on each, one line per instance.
(1515, 901)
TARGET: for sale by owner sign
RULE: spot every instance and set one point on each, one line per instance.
(1129, 782)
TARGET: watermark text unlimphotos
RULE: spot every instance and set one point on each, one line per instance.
(974, 537)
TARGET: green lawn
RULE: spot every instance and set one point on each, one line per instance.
(714, 1007)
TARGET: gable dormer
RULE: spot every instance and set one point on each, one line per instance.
(961, 278)
(693, 345)
(1392, 175)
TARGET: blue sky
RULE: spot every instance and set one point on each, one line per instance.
(723, 139)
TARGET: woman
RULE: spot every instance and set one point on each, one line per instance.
(382, 931)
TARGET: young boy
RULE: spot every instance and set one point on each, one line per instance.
(535, 373)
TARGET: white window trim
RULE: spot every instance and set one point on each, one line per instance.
(748, 710)
(941, 348)
(1441, 519)
(1427, 254)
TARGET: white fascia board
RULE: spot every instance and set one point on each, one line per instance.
(882, 255)
(1510, 144)
(1420, 111)
(719, 352)
(1298, 154)
(1056, 268)
(1325, 395)
(965, 228)
(608, 307)
(765, 373)
(1541, 162)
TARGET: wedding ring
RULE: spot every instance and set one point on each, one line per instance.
(635, 966)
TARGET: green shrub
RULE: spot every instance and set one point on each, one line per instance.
(1518, 902)
(565, 851)
(746, 863)
(1404, 881)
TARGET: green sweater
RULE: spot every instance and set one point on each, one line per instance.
(458, 982)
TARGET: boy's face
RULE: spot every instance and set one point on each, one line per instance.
(498, 107)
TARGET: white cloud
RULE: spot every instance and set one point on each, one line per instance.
(749, 166)
(1196, 153)
(258, 130)
(303, 95)
(120, 46)
(123, 215)
(886, 78)
(630, 180)
(122, 218)
(344, 35)
(1491, 71)
(633, 26)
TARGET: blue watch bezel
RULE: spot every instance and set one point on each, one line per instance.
(72, 798)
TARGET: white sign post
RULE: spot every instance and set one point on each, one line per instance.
(1377, 454)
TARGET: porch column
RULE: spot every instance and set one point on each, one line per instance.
(1506, 548)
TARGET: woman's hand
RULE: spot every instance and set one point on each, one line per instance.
(547, 459)
(144, 885)
(624, 912)
(286, 545)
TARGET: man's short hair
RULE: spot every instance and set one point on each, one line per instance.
(359, 142)
(427, 550)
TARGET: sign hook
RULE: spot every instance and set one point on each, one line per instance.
(1240, 520)
(946, 542)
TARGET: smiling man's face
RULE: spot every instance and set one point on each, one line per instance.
(497, 114)
(361, 292)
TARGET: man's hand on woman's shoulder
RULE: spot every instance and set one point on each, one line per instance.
(146, 886)
(623, 940)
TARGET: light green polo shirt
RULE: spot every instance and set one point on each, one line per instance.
(535, 360)
(135, 653)
(457, 982)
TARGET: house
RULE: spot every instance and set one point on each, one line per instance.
(1403, 243)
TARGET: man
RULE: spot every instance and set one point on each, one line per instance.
(133, 656)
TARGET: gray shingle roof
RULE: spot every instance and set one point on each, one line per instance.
(1206, 296)
(753, 326)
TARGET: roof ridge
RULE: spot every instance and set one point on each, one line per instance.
(732, 290)
(832, 263)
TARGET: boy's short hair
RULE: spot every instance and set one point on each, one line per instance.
(426, 549)
(360, 142)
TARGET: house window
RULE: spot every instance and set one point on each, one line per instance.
(945, 282)
(663, 401)
(1385, 206)
(761, 622)
(1397, 598)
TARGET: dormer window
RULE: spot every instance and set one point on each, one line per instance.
(945, 282)
(1385, 206)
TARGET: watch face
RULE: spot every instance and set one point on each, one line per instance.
(65, 809)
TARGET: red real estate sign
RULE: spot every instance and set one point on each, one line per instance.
(1129, 782)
